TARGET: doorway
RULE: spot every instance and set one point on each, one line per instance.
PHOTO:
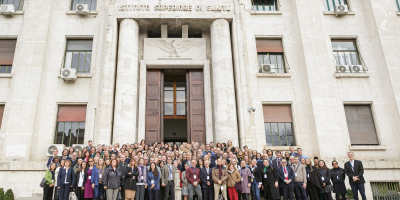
(174, 106)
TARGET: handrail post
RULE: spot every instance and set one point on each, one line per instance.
(177, 181)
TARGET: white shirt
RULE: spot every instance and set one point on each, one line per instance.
(66, 173)
(82, 177)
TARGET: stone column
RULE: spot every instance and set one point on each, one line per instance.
(225, 118)
(126, 94)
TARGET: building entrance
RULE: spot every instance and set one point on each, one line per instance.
(175, 106)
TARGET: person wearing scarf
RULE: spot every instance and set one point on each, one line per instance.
(314, 183)
(219, 176)
(142, 180)
(268, 180)
(233, 178)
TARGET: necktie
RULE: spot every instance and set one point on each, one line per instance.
(286, 177)
(170, 172)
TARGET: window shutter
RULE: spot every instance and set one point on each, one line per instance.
(72, 113)
(7, 50)
(277, 113)
(269, 46)
(1, 114)
(360, 124)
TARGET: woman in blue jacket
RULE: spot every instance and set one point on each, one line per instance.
(153, 181)
(65, 180)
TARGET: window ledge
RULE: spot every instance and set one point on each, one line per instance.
(352, 75)
(79, 75)
(280, 148)
(398, 13)
(367, 148)
(274, 75)
(255, 12)
(333, 13)
(71, 12)
(5, 75)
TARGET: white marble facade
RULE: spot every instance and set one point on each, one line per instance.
(114, 90)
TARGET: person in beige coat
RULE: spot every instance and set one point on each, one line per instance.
(233, 178)
(185, 191)
(219, 176)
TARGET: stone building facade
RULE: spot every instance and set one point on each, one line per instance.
(174, 70)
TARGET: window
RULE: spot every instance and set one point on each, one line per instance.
(278, 125)
(397, 5)
(92, 4)
(265, 5)
(1, 114)
(175, 97)
(330, 4)
(70, 125)
(7, 50)
(270, 52)
(346, 53)
(78, 55)
(385, 190)
(361, 125)
(18, 4)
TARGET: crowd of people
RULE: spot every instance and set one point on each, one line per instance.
(211, 172)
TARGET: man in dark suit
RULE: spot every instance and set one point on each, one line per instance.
(122, 166)
(355, 171)
(286, 179)
(207, 184)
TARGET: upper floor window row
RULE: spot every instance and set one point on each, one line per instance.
(347, 57)
(7, 50)
(92, 4)
(265, 5)
(78, 55)
(397, 5)
(18, 4)
(270, 56)
(330, 5)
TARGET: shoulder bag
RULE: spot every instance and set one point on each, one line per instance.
(238, 186)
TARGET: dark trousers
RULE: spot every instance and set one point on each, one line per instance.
(63, 192)
(99, 190)
(267, 193)
(358, 187)
(287, 191)
(169, 188)
(313, 191)
(48, 192)
(301, 193)
(122, 191)
(327, 196)
(244, 196)
(154, 194)
(208, 193)
(338, 196)
(80, 193)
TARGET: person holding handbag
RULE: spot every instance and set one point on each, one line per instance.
(130, 180)
(233, 178)
(50, 179)
(81, 177)
(268, 178)
(326, 180)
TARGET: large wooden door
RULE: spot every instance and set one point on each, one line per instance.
(196, 117)
(153, 106)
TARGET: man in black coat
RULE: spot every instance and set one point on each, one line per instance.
(286, 179)
(207, 184)
(122, 166)
(355, 171)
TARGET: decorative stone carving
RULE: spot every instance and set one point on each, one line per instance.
(175, 48)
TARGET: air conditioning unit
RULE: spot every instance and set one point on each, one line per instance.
(269, 68)
(356, 69)
(59, 147)
(7, 10)
(343, 69)
(78, 147)
(68, 74)
(341, 10)
(82, 9)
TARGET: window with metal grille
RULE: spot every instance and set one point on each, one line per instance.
(385, 190)
(330, 4)
(397, 5)
(265, 5)
(278, 125)
(7, 50)
(70, 127)
(270, 56)
(346, 53)
(78, 55)
(18, 4)
(92, 4)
